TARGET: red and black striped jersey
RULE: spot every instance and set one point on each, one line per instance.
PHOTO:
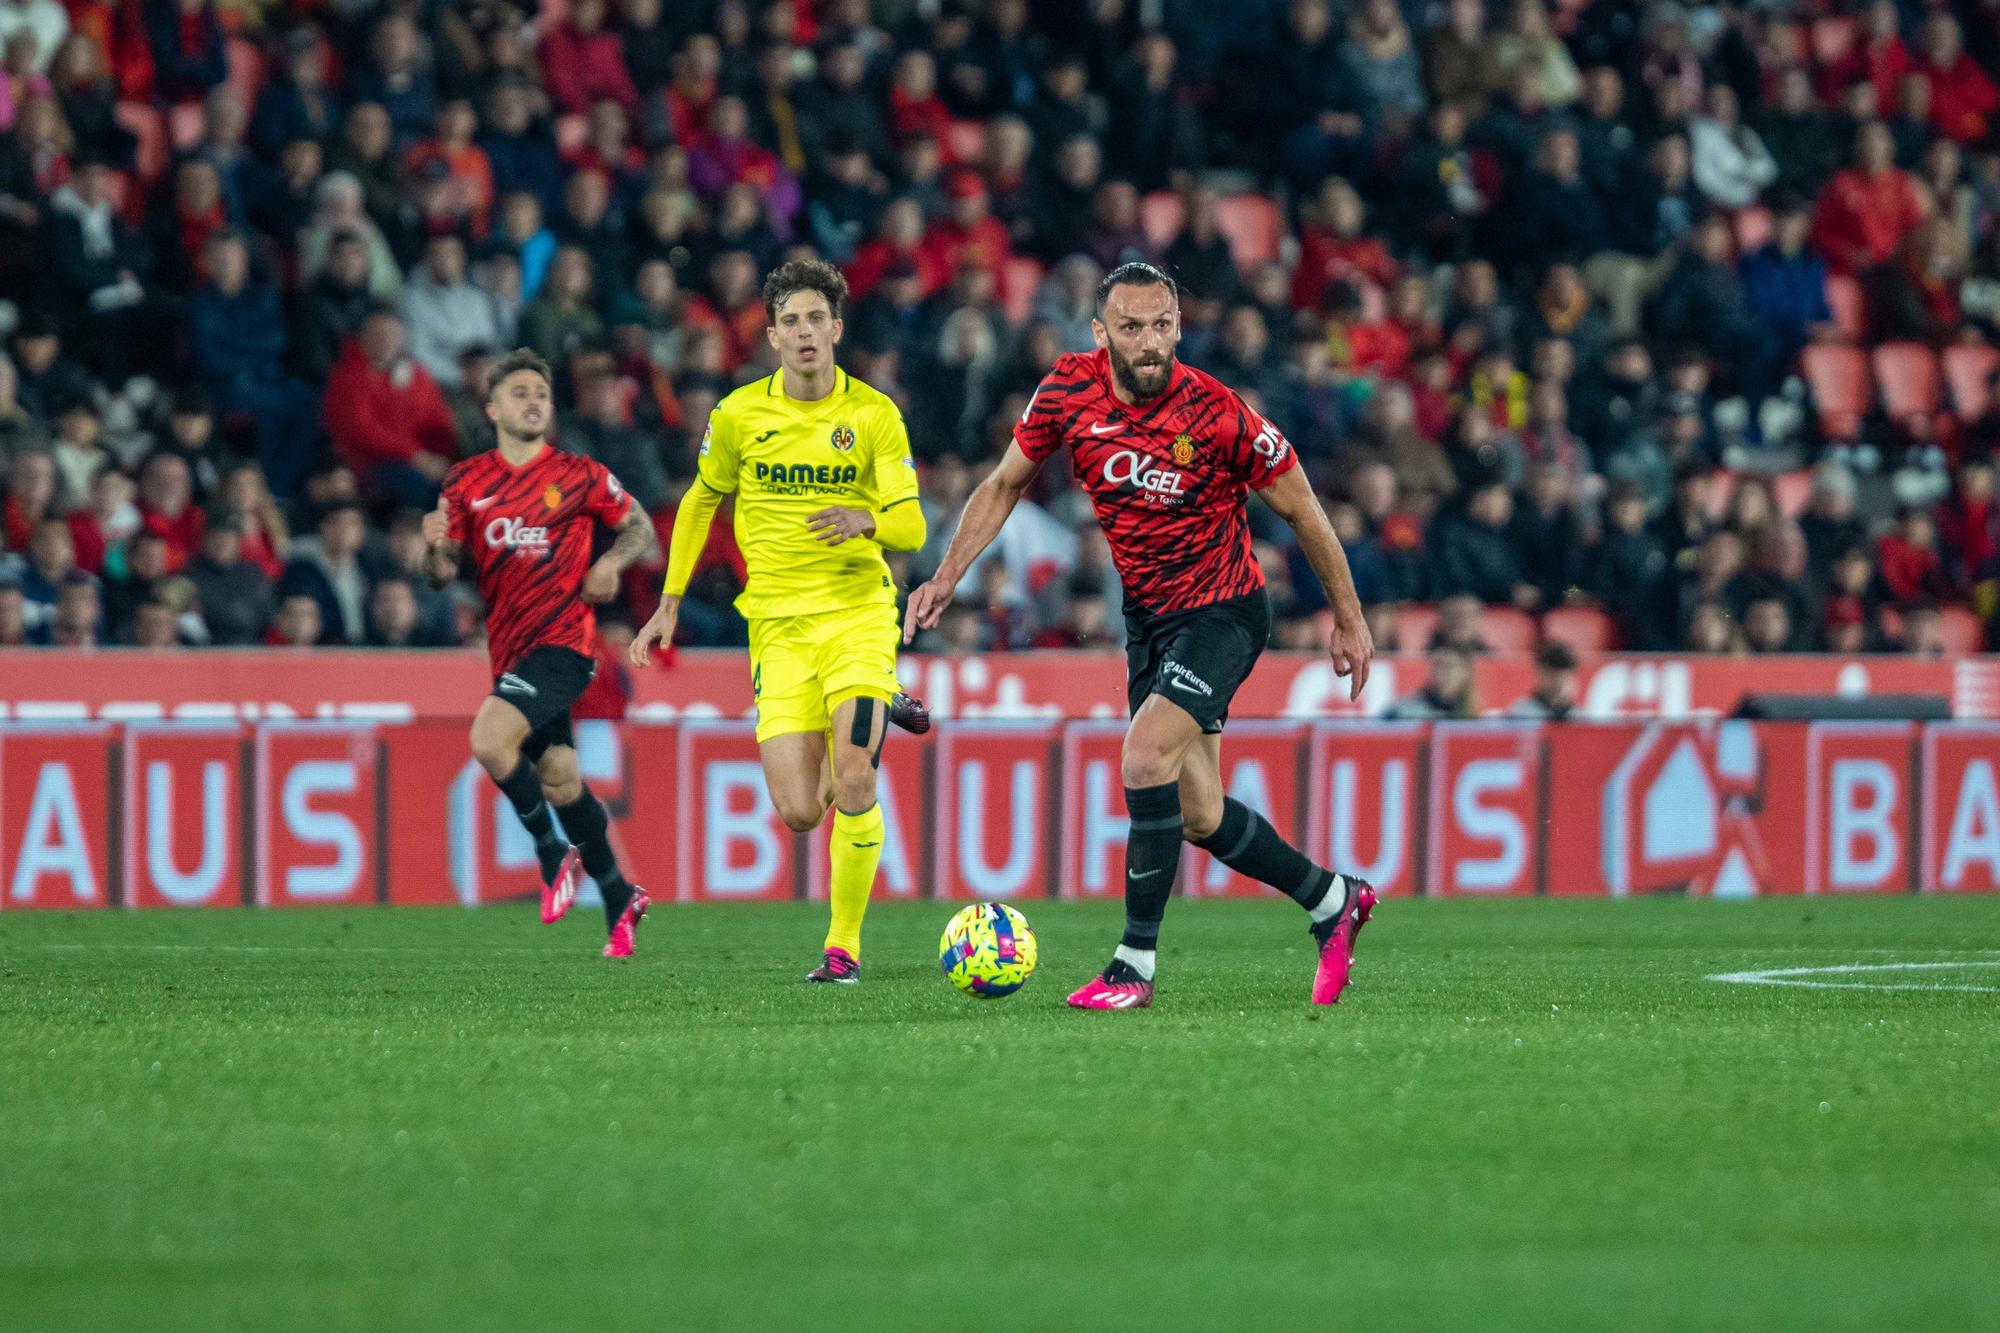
(1169, 479)
(527, 531)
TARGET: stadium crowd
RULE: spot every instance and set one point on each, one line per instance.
(1583, 306)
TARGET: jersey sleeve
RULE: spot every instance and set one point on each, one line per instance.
(1260, 452)
(457, 506)
(895, 468)
(609, 502)
(716, 463)
(1039, 431)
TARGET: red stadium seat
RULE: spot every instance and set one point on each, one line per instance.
(1754, 228)
(1414, 623)
(964, 142)
(1160, 214)
(1584, 628)
(1792, 491)
(1841, 387)
(1967, 369)
(1849, 305)
(1018, 282)
(1508, 629)
(1958, 627)
(1251, 225)
(150, 157)
(1906, 375)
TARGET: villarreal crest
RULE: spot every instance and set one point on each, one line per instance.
(843, 437)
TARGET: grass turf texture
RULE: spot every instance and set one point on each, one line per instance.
(1525, 1115)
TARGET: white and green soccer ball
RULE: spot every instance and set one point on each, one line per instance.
(988, 950)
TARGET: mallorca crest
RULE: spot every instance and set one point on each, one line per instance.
(843, 437)
(552, 497)
(1183, 449)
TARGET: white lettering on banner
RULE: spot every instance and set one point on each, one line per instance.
(1975, 827)
(327, 828)
(1855, 821)
(199, 885)
(1682, 813)
(1128, 467)
(1503, 868)
(1344, 819)
(1251, 785)
(729, 828)
(1102, 830)
(52, 843)
(1653, 689)
(895, 864)
(1007, 879)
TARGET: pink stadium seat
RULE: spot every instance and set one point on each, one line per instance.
(1841, 387)
(184, 125)
(1508, 629)
(1967, 368)
(1584, 628)
(1850, 306)
(1754, 228)
(1251, 225)
(1906, 374)
(1958, 627)
(965, 141)
(1414, 623)
(1160, 214)
(1017, 286)
(1792, 491)
(150, 131)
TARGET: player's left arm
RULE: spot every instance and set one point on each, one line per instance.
(1351, 645)
(895, 520)
(635, 539)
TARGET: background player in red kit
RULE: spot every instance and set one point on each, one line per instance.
(1168, 455)
(526, 513)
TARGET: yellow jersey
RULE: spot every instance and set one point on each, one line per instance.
(785, 460)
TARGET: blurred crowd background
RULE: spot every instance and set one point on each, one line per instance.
(1650, 325)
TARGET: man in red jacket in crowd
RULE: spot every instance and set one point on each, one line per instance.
(1962, 97)
(1865, 211)
(386, 416)
(583, 64)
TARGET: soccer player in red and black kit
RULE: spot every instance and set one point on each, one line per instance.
(1168, 454)
(526, 513)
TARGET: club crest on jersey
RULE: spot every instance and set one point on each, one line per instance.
(843, 437)
(1183, 449)
(552, 497)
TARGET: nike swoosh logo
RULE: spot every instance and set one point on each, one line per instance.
(481, 504)
(1104, 427)
(1134, 874)
(1180, 684)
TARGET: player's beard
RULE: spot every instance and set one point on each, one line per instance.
(1127, 374)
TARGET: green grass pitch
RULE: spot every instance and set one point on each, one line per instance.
(1532, 1115)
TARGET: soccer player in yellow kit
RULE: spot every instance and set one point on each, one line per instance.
(821, 470)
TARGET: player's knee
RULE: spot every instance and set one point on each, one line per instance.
(855, 790)
(1198, 822)
(562, 791)
(493, 752)
(1145, 765)
(801, 818)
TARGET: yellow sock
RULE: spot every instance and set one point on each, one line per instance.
(852, 856)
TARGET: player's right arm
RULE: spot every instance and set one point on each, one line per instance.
(444, 540)
(986, 511)
(714, 477)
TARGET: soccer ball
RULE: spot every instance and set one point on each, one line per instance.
(988, 950)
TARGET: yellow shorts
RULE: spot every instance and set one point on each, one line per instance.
(804, 667)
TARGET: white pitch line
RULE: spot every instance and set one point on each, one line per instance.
(1791, 976)
(255, 948)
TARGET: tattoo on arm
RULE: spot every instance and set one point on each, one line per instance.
(635, 538)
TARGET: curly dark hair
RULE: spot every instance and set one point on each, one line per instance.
(804, 275)
(521, 358)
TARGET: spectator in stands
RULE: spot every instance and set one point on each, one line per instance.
(1712, 628)
(13, 612)
(397, 76)
(339, 213)
(236, 596)
(51, 559)
(1703, 304)
(78, 621)
(386, 418)
(1554, 696)
(521, 154)
(132, 573)
(111, 518)
(1784, 285)
(1829, 522)
(79, 452)
(564, 317)
(445, 312)
(167, 508)
(1915, 295)
(1968, 526)
(297, 623)
(1548, 534)
(601, 428)
(1865, 211)
(393, 621)
(1923, 630)
(298, 103)
(1731, 165)
(583, 62)
(1767, 626)
(328, 569)
(185, 40)
(1447, 691)
(1803, 140)
(1909, 560)
(97, 271)
(30, 497)
(1454, 55)
(1962, 95)
(240, 345)
(1473, 551)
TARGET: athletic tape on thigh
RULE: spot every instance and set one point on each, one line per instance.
(864, 723)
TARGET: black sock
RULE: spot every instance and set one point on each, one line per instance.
(1152, 854)
(584, 819)
(524, 791)
(1245, 842)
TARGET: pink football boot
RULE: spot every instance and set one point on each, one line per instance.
(560, 892)
(1336, 936)
(1116, 987)
(620, 943)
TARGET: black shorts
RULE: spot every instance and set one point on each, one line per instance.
(543, 684)
(1197, 658)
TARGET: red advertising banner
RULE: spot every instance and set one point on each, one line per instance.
(400, 686)
(183, 814)
(56, 816)
(1364, 801)
(1961, 809)
(990, 818)
(157, 815)
(317, 826)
